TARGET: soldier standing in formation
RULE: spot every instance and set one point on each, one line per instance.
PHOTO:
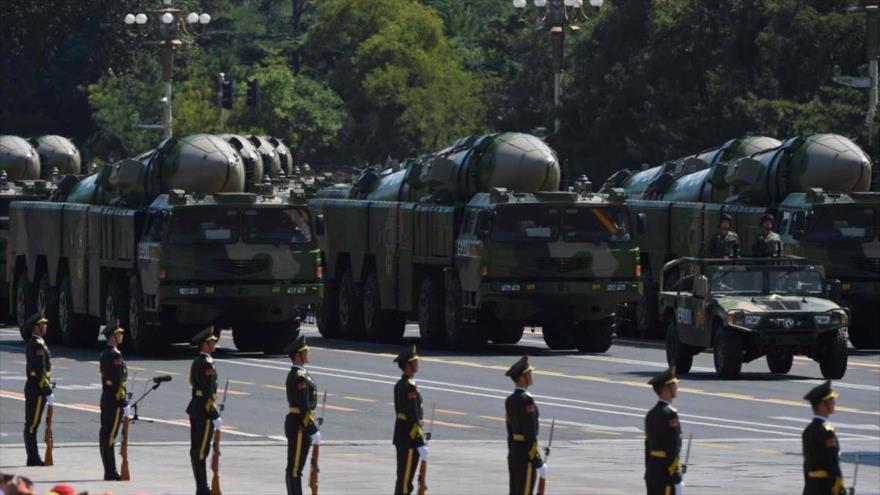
(300, 426)
(204, 416)
(768, 244)
(523, 454)
(408, 435)
(663, 439)
(822, 475)
(38, 386)
(114, 406)
(725, 244)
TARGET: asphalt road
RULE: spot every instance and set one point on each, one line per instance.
(592, 397)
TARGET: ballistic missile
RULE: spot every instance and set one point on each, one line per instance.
(18, 159)
(271, 160)
(253, 161)
(57, 153)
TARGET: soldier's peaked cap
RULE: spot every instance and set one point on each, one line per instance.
(34, 319)
(767, 216)
(820, 393)
(727, 217)
(298, 345)
(204, 336)
(665, 378)
(112, 329)
(407, 355)
(519, 367)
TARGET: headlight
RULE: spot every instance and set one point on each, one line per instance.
(822, 319)
(510, 287)
(753, 320)
(839, 318)
(736, 317)
(188, 291)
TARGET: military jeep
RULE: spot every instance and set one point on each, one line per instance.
(748, 308)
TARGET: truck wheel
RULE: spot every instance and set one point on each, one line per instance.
(351, 316)
(459, 334)
(47, 303)
(76, 330)
(780, 363)
(276, 336)
(646, 313)
(862, 332)
(833, 364)
(25, 303)
(431, 309)
(327, 312)
(594, 336)
(506, 332)
(380, 325)
(247, 339)
(116, 303)
(677, 354)
(728, 353)
(142, 336)
(559, 334)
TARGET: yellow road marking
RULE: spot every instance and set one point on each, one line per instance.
(494, 418)
(240, 382)
(549, 423)
(360, 399)
(450, 411)
(11, 394)
(728, 395)
(340, 408)
(603, 432)
(717, 446)
(167, 372)
(276, 387)
(850, 362)
(237, 392)
(454, 425)
(136, 368)
(90, 407)
(768, 451)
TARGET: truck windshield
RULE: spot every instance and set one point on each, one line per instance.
(594, 225)
(795, 282)
(525, 223)
(728, 281)
(841, 223)
(276, 226)
(204, 225)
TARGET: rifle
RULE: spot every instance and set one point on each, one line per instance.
(852, 488)
(48, 437)
(687, 456)
(542, 483)
(125, 475)
(423, 465)
(215, 459)
(316, 449)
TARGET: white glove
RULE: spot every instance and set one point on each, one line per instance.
(126, 412)
(316, 438)
(217, 423)
(50, 399)
(423, 453)
(679, 488)
(544, 471)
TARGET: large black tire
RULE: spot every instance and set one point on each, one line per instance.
(677, 354)
(247, 339)
(277, 336)
(506, 332)
(142, 337)
(833, 363)
(116, 302)
(780, 363)
(559, 334)
(76, 330)
(25, 302)
(380, 325)
(728, 353)
(351, 314)
(327, 312)
(47, 303)
(431, 313)
(646, 317)
(459, 334)
(594, 336)
(863, 332)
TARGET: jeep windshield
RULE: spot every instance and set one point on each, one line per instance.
(795, 282)
(204, 225)
(594, 225)
(841, 223)
(737, 281)
(276, 226)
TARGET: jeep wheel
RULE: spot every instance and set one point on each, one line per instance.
(351, 316)
(25, 303)
(833, 364)
(594, 336)
(76, 330)
(431, 313)
(559, 334)
(47, 303)
(728, 353)
(327, 312)
(677, 354)
(380, 325)
(780, 363)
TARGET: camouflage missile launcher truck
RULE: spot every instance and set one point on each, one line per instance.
(129, 243)
(835, 229)
(443, 242)
(748, 308)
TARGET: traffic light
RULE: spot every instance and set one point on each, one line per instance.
(253, 93)
(227, 94)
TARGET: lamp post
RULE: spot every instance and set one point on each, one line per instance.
(168, 28)
(554, 16)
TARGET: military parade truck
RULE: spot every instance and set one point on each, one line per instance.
(167, 244)
(748, 308)
(475, 242)
(675, 212)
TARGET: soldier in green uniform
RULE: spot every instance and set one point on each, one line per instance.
(409, 439)
(114, 403)
(725, 244)
(663, 439)
(521, 413)
(822, 475)
(768, 244)
(38, 386)
(300, 426)
(204, 415)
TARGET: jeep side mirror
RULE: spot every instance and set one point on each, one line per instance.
(701, 286)
(484, 224)
(319, 224)
(835, 290)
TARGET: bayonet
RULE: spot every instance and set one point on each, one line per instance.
(323, 408)
(550, 440)
(225, 391)
(431, 423)
(852, 488)
(687, 455)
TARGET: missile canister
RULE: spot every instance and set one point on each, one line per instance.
(18, 159)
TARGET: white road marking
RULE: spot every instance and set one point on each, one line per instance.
(835, 424)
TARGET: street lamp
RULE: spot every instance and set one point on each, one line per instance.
(554, 16)
(168, 30)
